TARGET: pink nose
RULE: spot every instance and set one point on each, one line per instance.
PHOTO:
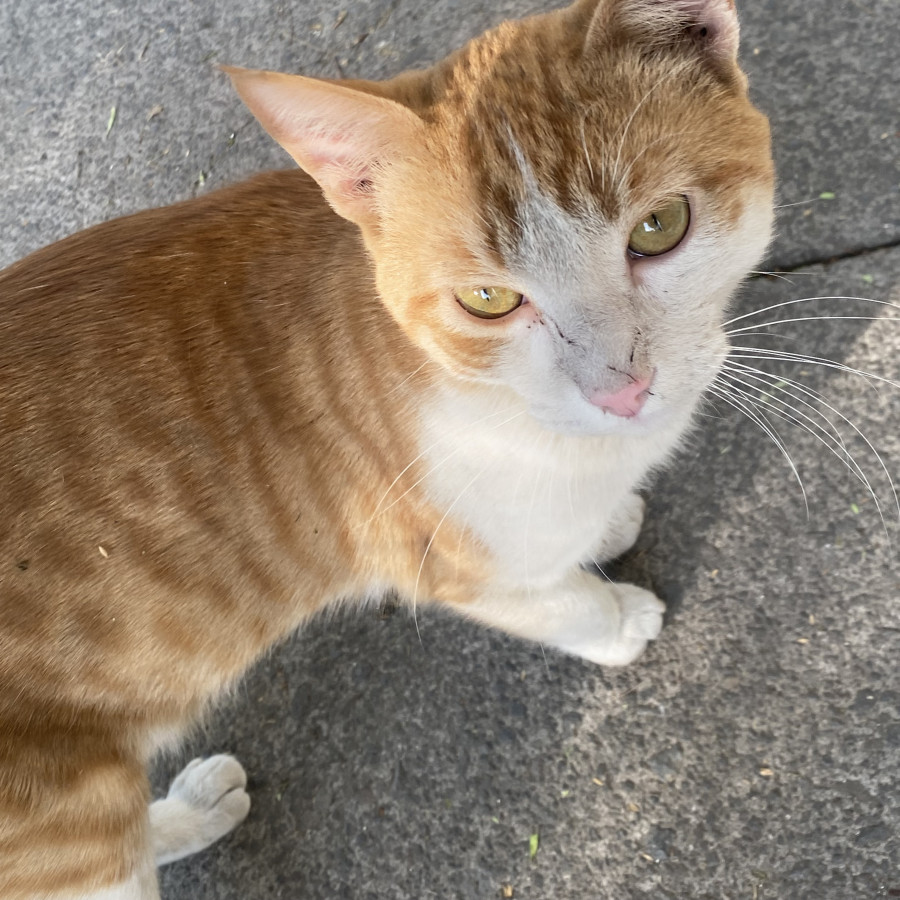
(627, 402)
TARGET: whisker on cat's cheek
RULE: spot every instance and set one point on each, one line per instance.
(774, 306)
(752, 412)
(780, 385)
(777, 405)
(739, 352)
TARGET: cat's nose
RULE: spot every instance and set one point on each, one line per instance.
(628, 401)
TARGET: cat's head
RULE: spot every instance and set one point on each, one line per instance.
(563, 207)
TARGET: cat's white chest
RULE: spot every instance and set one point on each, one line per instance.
(538, 502)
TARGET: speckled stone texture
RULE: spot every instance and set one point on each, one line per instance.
(753, 753)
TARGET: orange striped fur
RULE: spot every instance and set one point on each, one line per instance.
(211, 415)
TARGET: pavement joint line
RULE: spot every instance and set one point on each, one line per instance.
(828, 260)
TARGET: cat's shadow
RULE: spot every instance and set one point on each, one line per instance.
(364, 731)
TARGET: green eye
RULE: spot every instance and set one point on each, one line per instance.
(662, 229)
(489, 302)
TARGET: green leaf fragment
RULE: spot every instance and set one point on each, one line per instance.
(854, 509)
(533, 845)
(111, 121)
(827, 195)
(868, 279)
(564, 794)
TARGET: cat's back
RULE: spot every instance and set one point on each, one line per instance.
(157, 397)
(155, 313)
(178, 255)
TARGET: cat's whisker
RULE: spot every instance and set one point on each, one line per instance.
(544, 654)
(803, 389)
(706, 415)
(408, 378)
(772, 336)
(803, 359)
(751, 410)
(806, 422)
(777, 382)
(798, 203)
(751, 328)
(596, 564)
(779, 379)
(771, 275)
(443, 439)
(848, 461)
(782, 274)
(428, 546)
(765, 309)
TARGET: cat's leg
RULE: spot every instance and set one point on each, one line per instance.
(206, 800)
(74, 820)
(140, 886)
(623, 530)
(584, 615)
(76, 826)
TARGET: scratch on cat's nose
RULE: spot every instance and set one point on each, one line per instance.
(628, 401)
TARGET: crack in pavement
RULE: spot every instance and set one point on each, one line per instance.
(828, 260)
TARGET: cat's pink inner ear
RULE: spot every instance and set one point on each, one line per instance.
(343, 137)
(711, 24)
(715, 24)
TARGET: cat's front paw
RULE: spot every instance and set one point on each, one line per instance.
(206, 801)
(631, 618)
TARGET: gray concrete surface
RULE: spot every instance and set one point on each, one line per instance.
(753, 753)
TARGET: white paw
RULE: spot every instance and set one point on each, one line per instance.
(642, 612)
(623, 620)
(641, 619)
(205, 802)
(624, 529)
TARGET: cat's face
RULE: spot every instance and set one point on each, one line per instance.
(547, 176)
(570, 208)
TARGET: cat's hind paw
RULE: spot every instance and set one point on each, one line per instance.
(206, 800)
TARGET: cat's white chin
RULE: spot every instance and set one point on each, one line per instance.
(595, 422)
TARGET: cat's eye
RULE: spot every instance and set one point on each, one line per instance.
(662, 229)
(489, 302)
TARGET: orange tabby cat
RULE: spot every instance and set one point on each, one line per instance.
(218, 418)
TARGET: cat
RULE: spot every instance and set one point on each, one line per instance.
(219, 418)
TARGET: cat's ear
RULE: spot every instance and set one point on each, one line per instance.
(711, 26)
(343, 137)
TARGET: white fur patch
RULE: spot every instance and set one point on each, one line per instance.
(602, 319)
(539, 502)
(204, 803)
